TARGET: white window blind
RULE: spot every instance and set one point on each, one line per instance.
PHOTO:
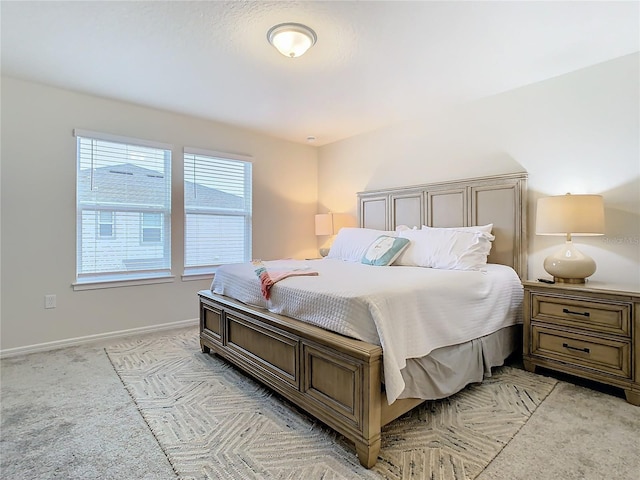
(217, 198)
(123, 208)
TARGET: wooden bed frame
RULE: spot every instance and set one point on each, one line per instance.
(338, 379)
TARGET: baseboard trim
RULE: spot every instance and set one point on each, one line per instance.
(71, 342)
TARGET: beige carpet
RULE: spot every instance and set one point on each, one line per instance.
(214, 422)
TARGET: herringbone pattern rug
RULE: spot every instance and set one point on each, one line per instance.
(214, 422)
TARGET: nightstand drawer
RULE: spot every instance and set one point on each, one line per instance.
(605, 355)
(612, 317)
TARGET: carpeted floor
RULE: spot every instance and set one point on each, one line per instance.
(65, 414)
(214, 422)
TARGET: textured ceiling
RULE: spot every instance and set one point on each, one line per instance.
(374, 63)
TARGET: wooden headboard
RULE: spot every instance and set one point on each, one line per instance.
(501, 200)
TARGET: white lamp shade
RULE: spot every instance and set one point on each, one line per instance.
(570, 214)
(324, 224)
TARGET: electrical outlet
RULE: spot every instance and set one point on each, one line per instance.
(49, 301)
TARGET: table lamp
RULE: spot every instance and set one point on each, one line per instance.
(329, 224)
(570, 215)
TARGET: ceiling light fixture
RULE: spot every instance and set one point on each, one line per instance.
(291, 39)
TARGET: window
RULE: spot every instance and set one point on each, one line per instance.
(105, 224)
(123, 197)
(151, 228)
(217, 198)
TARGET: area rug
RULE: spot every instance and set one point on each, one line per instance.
(213, 422)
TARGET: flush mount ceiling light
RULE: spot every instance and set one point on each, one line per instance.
(291, 39)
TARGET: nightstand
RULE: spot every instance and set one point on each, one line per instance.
(590, 331)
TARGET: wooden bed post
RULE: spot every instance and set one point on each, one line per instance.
(368, 454)
(372, 404)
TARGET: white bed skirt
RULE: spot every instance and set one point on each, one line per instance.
(448, 370)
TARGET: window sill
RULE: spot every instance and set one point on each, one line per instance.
(191, 274)
(191, 277)
(97, 284)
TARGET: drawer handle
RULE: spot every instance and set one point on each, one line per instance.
(584, 314)
(566, 345)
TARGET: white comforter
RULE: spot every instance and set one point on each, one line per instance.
(409, 311)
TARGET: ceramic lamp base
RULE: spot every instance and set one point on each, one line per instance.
(569, 265)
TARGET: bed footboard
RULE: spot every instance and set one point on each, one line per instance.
(334, 378)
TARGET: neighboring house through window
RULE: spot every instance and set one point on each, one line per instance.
(123, 208)
(218, 209)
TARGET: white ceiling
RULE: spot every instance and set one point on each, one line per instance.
(374, 63)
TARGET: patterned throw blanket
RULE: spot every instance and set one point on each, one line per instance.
(270, 272)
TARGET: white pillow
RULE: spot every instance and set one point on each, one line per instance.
(384, 250)
(474, 228)
(352, 243)
(446, 248)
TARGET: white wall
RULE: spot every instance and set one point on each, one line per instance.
(38, 211)
(577, 133)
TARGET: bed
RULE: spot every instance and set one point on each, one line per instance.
(341, 376)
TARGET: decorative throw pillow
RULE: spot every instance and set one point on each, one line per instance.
(351, 243)
(384, 250)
